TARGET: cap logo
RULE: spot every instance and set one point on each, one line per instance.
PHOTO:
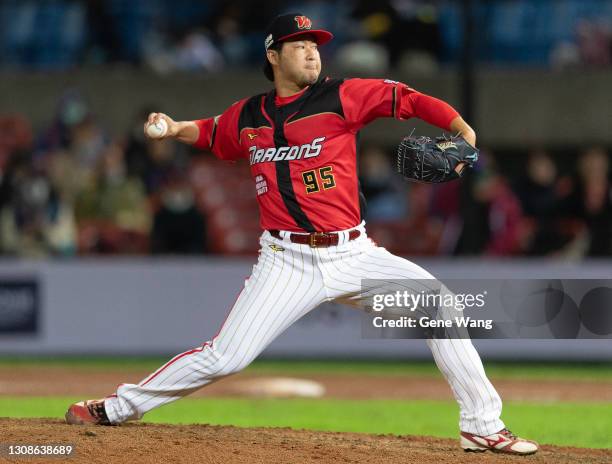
(268, 41)
(303, 22)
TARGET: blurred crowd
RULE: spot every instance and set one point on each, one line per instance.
(550, 207)
(207, 36)
(74, 190)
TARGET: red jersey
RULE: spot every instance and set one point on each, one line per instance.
(302, 149)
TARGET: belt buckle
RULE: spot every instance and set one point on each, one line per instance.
(312, 240)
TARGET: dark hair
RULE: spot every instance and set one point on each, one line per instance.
(267, 67)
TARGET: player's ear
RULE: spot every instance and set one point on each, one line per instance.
(273, 57)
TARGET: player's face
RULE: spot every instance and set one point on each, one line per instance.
(300, 62)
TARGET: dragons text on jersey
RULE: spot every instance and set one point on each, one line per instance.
(295, 152)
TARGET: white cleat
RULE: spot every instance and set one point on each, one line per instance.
(503, 441)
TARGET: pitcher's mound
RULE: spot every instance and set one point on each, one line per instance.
(142, 443)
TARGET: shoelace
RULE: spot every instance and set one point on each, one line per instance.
(508, 433)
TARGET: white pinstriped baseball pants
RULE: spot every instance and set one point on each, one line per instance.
(284, 286)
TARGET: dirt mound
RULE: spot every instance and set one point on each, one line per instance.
(151, 443)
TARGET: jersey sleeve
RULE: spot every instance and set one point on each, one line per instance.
(220, 134)
(364, 100)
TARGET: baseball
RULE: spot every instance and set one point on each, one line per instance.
(157, 130)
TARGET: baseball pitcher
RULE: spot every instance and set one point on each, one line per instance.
(300, 141)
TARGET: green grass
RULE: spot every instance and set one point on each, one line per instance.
(530, 370)
(569, 424)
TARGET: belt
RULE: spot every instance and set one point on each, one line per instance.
(317, 239)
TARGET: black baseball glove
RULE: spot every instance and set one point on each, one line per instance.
(422, 159)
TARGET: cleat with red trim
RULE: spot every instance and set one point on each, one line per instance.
(503, 441)
(87, 412)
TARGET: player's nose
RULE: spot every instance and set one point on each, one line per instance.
(312, 60)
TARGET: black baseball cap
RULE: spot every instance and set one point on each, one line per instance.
(290, 26)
